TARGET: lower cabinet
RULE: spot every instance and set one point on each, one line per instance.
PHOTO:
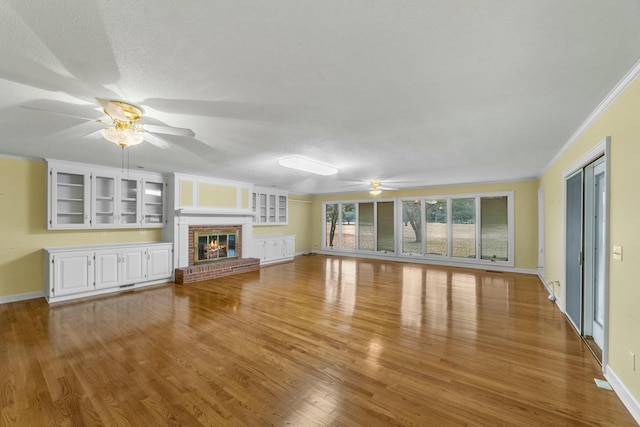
(274, 248)
(92, 270)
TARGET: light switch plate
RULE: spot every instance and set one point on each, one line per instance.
(617, 252)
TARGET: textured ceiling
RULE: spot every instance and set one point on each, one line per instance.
(413, 93)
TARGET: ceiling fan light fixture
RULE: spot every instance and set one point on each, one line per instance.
(375, 188)
(122, 137)
(306, 165)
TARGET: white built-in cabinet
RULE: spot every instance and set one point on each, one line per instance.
(74, 272)
(274, 248)
(84, 196)
(269, 206)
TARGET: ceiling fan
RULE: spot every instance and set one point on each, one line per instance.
(124, 124)
(125, 129)
(376, 188)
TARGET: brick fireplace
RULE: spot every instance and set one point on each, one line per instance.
(189, 222)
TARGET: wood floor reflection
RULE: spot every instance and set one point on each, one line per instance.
(320, 341)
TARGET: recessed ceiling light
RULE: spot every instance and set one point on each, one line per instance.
(306, 165)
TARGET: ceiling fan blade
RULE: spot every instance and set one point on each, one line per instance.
(94, 135)
(167, 130)
(42, 110)
(156, 141)
(113, 110)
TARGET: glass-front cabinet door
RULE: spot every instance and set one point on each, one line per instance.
(69, 201)
(153, 203)
(129, 202)
(103, 205)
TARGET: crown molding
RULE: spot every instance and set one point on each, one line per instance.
(628, 78)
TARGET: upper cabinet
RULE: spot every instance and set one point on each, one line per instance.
(85, 196)
(270, 206)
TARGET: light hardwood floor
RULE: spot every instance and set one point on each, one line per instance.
(320, 341)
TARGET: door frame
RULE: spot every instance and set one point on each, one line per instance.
(541, 233)
(600, 149)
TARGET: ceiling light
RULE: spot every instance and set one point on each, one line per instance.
(375, 188)
(122, 137)
(306, 165)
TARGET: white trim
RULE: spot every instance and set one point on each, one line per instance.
(546, 284)
(623, 393)
(30, 159)
(21, 297)
(617, 90)
(600, 149)
(541, 231)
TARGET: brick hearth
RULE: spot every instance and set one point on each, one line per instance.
(213, 270)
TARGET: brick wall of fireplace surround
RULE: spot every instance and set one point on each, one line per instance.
(221, 229)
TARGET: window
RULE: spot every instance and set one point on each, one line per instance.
(365, 226)
(494, 230)
(331, 216)
(476, 228)
(463, 231)
(437, 231)
(348, 226)
(385, 227)
(411, 227)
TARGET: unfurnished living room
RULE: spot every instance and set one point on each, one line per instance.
(306, 213)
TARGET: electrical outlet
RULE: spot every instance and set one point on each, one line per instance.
(617, 252)
(632, 360)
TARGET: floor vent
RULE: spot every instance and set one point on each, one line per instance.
(603, 384)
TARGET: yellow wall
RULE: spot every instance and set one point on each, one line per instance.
(525, 215)
(301, 209)
(211, 195)
(23, 233)
(621, 121)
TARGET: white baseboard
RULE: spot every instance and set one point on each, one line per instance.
(623, 393)
(546, 284)
(21, 297)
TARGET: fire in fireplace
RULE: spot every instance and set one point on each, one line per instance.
(214, 245)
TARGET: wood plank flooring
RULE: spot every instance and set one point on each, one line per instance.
(321, 341)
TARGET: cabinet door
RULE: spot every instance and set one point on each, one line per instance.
(275, 249)
(258, 249)
(282, 209)
(262, 207)
(72, 273)
(272, 208)
(69, 199)
(129, 202)
(289, 247)
(106, 269)
(159, 262)
(103, 200)
(133, 265)
(153, 203)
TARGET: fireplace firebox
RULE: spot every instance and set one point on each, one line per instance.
(214, 245)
